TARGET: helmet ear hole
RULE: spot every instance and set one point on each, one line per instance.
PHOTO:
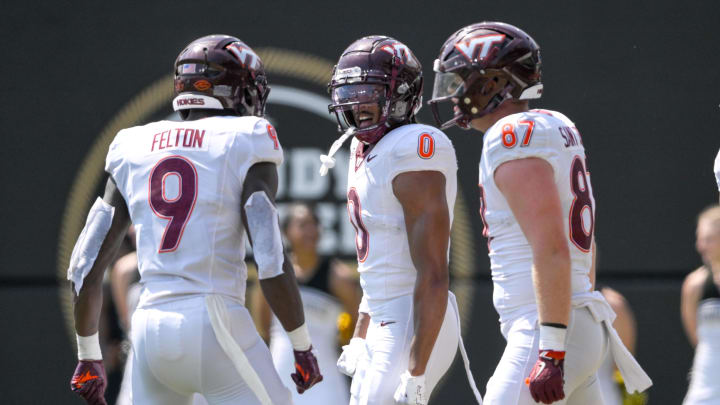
(488, 86)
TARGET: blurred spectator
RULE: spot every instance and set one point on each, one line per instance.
(700, 310)
(330, 292)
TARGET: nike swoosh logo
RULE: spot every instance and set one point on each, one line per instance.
(383, 323)
(82, 379)
(369, 158)
(541, 368)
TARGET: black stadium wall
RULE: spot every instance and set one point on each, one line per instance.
(640, 80)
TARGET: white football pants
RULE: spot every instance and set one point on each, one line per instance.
(388, 338)
(176, 354)
(586, 348)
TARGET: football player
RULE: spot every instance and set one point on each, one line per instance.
(401, 191)
(700, 309)
(538, 208)
(194, 190)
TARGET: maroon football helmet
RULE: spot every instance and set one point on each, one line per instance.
(375, 70)
(220, 72)
(482, 65)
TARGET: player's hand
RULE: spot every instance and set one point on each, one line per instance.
(89, 381)
(547, 377)
(308, 371)
(411, 390)
(351, 355)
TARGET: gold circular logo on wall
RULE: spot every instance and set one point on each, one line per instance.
(291, 64)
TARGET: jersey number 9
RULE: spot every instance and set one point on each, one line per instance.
(179, 208)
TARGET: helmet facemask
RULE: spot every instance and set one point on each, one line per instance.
(359, 106)
(472, 97)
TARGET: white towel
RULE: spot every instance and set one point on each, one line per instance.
(219, 320)
(465, 358)
(635, 377)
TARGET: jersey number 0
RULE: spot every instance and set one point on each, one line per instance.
(362, 238)
(179, 208)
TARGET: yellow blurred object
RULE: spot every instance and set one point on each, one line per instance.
(345, 327)
(637, 398)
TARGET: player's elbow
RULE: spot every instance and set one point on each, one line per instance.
(434, 280)
(554, 248)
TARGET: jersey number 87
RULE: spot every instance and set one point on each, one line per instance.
(580, 230)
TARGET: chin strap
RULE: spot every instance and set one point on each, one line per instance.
(328, 162)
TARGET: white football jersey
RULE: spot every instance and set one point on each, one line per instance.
(182, 182)
(716, 169)
(384, 262)
(551, 136)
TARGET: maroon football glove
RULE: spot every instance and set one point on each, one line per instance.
(89, 381)
(547, 377)
(308, 372)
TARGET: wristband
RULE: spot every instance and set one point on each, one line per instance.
(300, 338)
(89, 347)
(552, 338)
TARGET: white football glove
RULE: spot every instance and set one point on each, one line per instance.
(411, 390)
(351, 355)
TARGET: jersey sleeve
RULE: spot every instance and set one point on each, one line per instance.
(421, 151)
(114, 159)
(265, 144)
(521, 139)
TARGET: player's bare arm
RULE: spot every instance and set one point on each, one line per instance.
(427, 220)
(261, 312)
(280, 291)
(361, 326)
(529, 188)
(122, 274)
(89, 379)
(689, 298)
(88, 302)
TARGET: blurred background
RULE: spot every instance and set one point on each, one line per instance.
(640, 80)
